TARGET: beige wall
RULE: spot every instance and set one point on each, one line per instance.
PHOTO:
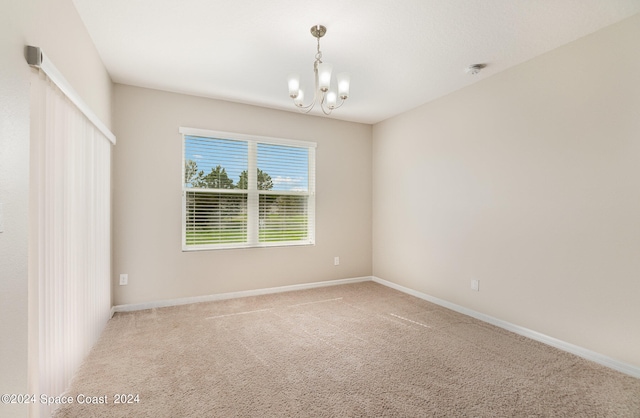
(528, 181)
(57, 29)
(147, 213)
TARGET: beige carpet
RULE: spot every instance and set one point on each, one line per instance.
(358, 350)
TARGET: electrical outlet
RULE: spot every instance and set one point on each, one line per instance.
(336, 261)
(124, 279)
(475, 285)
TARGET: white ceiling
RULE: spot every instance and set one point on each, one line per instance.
(400, 53)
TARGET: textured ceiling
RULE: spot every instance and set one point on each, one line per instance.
(400, 53)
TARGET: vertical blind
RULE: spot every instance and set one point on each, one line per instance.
(245, 191)
(71, 242)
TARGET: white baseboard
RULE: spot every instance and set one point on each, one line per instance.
(626, 368)
(232, 295)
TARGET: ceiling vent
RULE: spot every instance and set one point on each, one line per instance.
(475, 68)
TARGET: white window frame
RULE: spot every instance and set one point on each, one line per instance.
(253, 194)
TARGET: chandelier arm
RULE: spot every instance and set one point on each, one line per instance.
(341, 103)
(306, 109)
(331, 109)
(326, 112)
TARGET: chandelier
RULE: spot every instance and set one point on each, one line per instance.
(322, 74)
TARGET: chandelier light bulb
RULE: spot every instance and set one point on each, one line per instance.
(331, 99)
(324, 76)
(299, 99)
(294, 85)
(343, 85)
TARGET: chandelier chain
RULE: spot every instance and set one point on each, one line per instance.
(319, 53)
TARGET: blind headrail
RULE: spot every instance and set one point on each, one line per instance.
(37, 58)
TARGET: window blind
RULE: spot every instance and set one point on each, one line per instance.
(244, 191)
(283, 207)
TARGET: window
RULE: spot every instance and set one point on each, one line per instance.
(244, 191)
